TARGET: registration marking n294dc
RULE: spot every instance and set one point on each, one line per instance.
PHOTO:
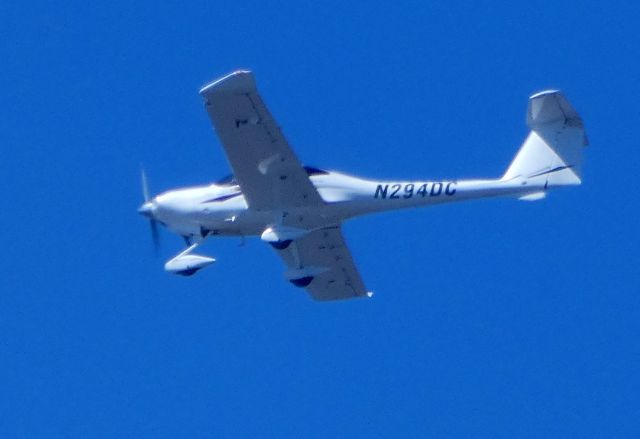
(396, 191)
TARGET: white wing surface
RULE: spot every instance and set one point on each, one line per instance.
(267, 170)
(326, 259)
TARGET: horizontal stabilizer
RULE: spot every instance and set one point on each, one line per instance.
(550, 107)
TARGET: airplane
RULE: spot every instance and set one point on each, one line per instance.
(299, 210)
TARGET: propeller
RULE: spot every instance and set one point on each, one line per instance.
(145, 185)
(155, 235)
(147, 210)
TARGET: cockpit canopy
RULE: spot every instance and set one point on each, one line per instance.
(230, 180)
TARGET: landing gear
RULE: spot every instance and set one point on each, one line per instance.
(186, 263)
(281, 245)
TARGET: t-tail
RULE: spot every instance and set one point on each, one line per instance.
(551, 155)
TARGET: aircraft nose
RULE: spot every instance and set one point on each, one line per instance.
(147, 209)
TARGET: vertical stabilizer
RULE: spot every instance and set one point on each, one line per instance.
(551, 155)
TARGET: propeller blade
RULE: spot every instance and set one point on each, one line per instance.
(145, 184)
(146, 210)
(155, 235)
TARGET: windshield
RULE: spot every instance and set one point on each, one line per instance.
(227, 180)
(315, 171)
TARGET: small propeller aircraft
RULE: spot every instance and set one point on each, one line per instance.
(299, 210)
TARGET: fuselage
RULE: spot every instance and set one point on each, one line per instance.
(221, 209)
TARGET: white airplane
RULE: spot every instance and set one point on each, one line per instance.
(299, 209)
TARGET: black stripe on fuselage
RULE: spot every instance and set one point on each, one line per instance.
(223, 198)
(550, 171)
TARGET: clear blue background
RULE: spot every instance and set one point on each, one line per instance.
(495, 318)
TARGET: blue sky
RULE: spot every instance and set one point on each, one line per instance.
(495, 318)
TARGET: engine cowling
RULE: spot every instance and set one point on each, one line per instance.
(187, 264)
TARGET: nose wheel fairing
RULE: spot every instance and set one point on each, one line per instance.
(187, 263)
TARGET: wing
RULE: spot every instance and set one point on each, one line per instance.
(267, 170)
(323, 256)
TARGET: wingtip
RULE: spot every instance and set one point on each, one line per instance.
(231, 82)
(544, 93)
